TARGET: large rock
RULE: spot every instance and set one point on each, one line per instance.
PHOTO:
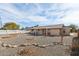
(4, 45)
(35, 44)
(42, 46)
(14, 46)
(23, 45)
(9, 45)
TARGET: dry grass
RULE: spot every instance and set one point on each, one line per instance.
(5, 37)
(8, 36)
(29, 52)
(26, 52)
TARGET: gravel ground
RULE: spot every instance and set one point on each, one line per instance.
(18, 39)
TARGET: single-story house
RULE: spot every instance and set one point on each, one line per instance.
(51, 30)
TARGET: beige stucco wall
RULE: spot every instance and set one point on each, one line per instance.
(54, 32)
(67, 31)
(51, 31)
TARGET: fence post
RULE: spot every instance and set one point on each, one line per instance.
(62, 35)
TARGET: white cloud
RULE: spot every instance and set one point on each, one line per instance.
(11, 13)
(9, 8)
(72, 18)
(37, 18)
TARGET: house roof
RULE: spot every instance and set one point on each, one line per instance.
(49, 26)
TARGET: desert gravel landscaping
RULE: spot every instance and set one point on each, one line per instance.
(28, 45)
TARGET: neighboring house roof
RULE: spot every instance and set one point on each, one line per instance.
(49, 26)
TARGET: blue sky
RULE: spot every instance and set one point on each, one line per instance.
(30, 14)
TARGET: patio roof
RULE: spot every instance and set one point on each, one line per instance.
(49, 26)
